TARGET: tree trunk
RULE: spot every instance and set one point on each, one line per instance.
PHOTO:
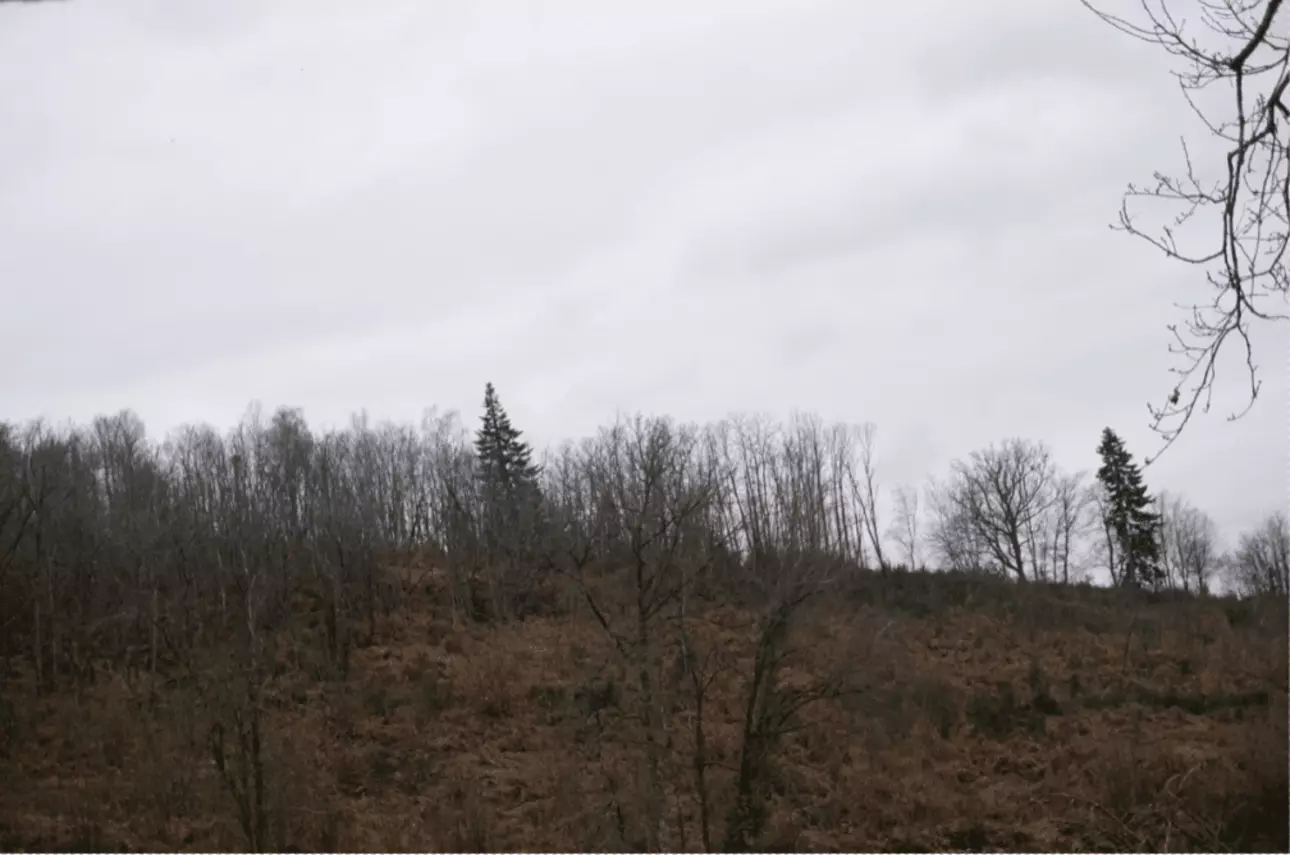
(654, 818)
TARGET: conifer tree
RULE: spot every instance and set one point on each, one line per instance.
(1129, 513)
(509, 481)
(506, 461)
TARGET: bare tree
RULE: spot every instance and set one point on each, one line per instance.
(1188, 549)
(904, 524)
(999, 495)
(865, 492)
(783, 489)
(1073, 517)
(1107, 536)
(242, 767)
(952, 537)
(1241, 50)
(789, 487)
(1261, 564)
(781, 497)
(770, 705)
(636, 496)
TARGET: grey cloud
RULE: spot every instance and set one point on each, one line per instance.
(825, 206)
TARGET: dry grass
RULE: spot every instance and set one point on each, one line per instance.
(984, 718)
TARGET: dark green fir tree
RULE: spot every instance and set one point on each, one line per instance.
(511, 498)
(1129, 515)
(506, 461)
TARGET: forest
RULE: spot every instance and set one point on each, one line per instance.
(391, 637)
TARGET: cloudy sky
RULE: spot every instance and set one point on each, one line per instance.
(886, 212)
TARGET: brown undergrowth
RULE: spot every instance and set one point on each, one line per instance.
(975, 717)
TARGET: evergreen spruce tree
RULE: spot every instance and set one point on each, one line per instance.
(1129, 512)
(509, 481)
(506, 461)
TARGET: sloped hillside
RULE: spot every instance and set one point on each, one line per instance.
(934, 712)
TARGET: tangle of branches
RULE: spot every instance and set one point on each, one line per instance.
(1242, 49)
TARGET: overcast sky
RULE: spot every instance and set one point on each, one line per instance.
(886, 212)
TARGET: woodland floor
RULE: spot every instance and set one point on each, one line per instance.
(986, 717)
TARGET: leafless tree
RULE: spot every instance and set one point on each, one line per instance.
(999, 495)
(904, 526)
(1188, 548)
(448, 503)
(1261, 563)
(952, 537)
(1108, 539)
(770, 705)
(1233, 68)
(865, 492)
(636, 495)
(781, 494)
(241, 765)
(1072, 518)
(792, 487)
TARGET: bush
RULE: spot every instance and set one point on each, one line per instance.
(552, 701)
(434, 694)
(596, 695)
(939, 703)
(999, 715)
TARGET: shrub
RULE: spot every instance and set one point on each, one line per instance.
(938, 701)
(998, 715)
(379, 702)
(434, 694)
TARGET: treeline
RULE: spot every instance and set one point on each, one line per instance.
(1009, 509)
(112, 544)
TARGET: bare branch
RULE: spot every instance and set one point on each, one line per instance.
(1242, 50)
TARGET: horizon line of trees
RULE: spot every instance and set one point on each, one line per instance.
(106, 533)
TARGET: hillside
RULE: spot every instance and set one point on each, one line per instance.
(960, 713)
